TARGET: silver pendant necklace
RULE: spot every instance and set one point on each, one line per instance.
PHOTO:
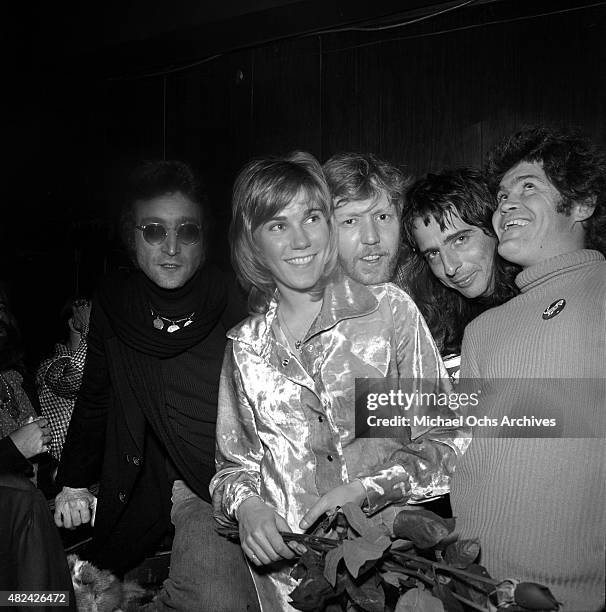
(290, 337)
(172, 325)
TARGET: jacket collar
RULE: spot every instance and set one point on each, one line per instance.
(344, 298)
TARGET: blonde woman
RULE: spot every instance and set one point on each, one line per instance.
(287, 448)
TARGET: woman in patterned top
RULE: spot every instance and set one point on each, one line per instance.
(59, 377)
(31, 552)
(22, 434)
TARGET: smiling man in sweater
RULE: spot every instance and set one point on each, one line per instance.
(536, 503)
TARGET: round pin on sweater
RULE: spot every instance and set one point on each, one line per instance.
(554, 309)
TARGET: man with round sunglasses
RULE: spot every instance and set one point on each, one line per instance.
(156, 233)
(144, 421)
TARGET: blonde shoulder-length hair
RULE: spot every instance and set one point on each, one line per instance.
(262, 189)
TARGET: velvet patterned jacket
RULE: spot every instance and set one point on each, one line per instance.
(285, 426)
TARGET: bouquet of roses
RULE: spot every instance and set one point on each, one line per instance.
(420, 567)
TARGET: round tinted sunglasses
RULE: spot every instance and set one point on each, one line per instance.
(156, 233)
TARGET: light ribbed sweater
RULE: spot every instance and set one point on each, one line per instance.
(538, 504)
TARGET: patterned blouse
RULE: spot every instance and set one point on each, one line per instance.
(285, 427)
(15, 407)
(58, 381)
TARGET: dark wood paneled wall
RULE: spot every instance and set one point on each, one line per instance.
(439, 93)
(444, 100)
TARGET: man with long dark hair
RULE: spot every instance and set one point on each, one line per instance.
(452, 269)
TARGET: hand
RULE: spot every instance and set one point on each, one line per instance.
(32, 438)
(351, 492)
(259, 526)
(70, 324)
(74, 507)
(80, 316)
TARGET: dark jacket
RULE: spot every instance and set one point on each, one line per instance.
(31, 552)
(11, 459)
(110, 440)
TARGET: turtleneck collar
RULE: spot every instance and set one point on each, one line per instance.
(565, 263)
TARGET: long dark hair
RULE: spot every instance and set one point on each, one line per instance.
(463, 192)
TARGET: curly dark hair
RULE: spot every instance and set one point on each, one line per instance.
(463, 192)
(152, 179)
(574, 165)
(361, 176)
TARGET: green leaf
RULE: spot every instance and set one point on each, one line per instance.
(444, 594)
(357, 553)
(376, 533)
(462, 553)
(480, 570)
(331, 564)
(368, 595)
(392, 578)
(402, 545)
(471, 589)
(311, 559)
(311, 594)
(422, 527)
(298, 571)
(314, 590)
(419, 600)
(448, 540)
(369, 547)
(356, 518)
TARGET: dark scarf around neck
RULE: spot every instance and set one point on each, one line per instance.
(128, 300)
